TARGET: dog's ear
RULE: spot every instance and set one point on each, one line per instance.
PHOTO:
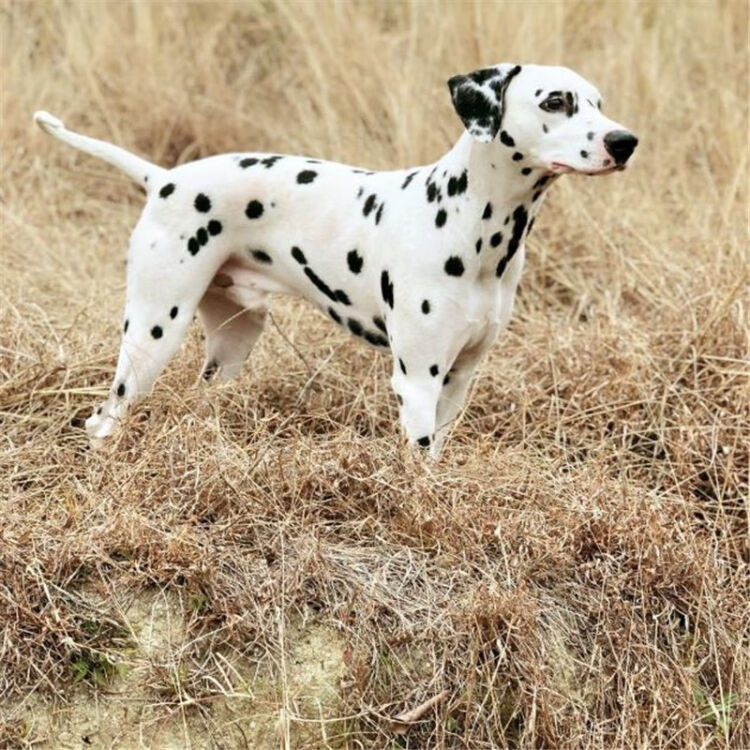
(479, 98)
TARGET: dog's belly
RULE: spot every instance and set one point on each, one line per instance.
(272, 265)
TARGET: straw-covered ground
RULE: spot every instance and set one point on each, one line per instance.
(263, 564)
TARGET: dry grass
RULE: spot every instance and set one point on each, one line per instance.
(574, 571)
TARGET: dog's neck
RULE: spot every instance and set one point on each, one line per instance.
(494, 178)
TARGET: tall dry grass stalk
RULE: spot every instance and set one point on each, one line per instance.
(574, 571)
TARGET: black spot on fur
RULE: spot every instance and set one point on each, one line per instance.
(440, 218)
(202, 203)
(526, 171)
(496, 239)
(585, 154)
(173, 313)
(269, 161)
(360, 191)
(447, 379)
(399, 398)
(320, 284)
(375, 338)
(517, 156)
(126, 326)
(334, 315)
(487, 211)
(254, 210)
(590, 136)
(299, 256)
(479, 245)
(369, 204)
(386, 289)
(156, 332)
(342, 297)
(545, 128)
(536, 195)
(306, 176)
(210, 370)
(408, 179)
(506, 139)
(202, 236)
(380, 323)
(434, 370)
(402, 365)
(531, 225)
(424, 441)
(214, 227)
(520, 217)
(354, 260)
(193, 246)
(121, 390)
(458, 185)
(537, 92)
(454, 266)
(261, 256)
(248, 162)
(167, 190)
(355, 326)
(379, 213)
(542, 181)
(426, 306)
(432, 191)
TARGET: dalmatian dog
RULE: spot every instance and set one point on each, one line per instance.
(424, 261)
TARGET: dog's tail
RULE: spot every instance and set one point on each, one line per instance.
(143, 172)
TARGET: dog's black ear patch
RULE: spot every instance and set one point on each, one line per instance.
(479, 99)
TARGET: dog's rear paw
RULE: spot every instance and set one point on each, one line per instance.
(48, 122)
(100, 426)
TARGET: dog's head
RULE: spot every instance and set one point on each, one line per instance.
(549, 116)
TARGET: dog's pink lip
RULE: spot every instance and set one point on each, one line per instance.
(560, 168)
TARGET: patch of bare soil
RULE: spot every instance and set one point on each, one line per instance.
(266, 705)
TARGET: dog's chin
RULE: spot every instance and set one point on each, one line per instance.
(557, 167)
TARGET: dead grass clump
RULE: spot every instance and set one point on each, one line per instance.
(263, 563)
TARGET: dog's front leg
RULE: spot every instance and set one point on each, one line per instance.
(418, 397)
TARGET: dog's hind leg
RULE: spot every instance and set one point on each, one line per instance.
(233, 323)
(164, 286)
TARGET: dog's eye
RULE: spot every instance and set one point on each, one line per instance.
(554, 104)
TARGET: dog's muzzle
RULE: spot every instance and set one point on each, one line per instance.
(620, 144)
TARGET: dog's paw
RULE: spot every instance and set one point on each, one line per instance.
(100, 426)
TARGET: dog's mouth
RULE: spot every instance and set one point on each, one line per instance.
(559, 168)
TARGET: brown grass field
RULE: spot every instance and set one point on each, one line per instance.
(264, 564)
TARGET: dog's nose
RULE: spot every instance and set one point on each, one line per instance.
(620, 144)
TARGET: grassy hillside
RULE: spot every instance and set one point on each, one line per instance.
(264, 564)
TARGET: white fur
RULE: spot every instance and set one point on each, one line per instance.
(228, 283)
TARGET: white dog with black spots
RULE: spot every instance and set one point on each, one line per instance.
(423, 261)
